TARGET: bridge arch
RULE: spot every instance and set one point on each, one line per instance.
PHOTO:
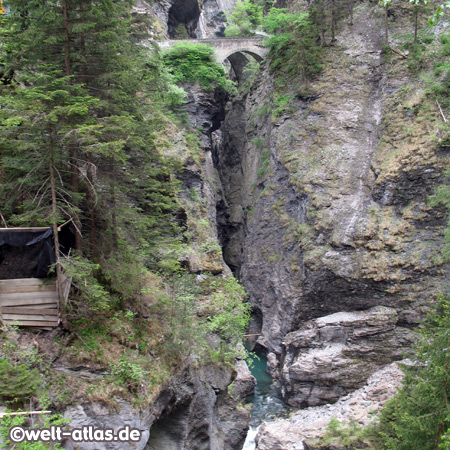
(239, 59)
(235, 50)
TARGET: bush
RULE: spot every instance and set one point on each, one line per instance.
(342, 435)
(230, 317)
(18, 382)
(197, 63)
(44, 421)
(129, 374)
(294, 49)
(244, 20)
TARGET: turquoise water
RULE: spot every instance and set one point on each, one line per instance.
(267, 403)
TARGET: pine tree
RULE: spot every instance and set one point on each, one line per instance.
(85, 103)
(418, 418)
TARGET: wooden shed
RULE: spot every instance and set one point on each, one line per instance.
(29, 295)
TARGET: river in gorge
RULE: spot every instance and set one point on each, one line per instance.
(267, 402)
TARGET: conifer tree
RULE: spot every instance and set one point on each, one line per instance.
(85, 102)
(418, 418)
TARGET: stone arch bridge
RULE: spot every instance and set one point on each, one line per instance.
(235, 50)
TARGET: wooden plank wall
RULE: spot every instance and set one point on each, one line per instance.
(29, 302)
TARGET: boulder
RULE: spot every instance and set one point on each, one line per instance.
(244, 383)
(305, 428)
(333, 355)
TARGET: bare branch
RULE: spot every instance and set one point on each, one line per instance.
(39, 190)
(442, 112)
(59, 176)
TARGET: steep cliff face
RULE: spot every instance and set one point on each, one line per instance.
(326, 201)
(193, 411)
(188, 18)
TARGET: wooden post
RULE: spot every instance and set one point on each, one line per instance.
(24, 413)
(442, 112)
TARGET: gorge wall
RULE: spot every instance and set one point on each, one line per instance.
(326, 211)
(188, 18)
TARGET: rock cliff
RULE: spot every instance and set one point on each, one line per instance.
(306, 428)
(179, 19)
(326, 211)
(193, 411)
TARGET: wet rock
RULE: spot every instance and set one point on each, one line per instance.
(194, 18)
(305, 428)
(333, 355)
(273, 365)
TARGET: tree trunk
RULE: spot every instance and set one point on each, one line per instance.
(62, 306)
(91, 210)
(416, 19)
(67, 64)
(333, 21)
(83, 52)
(351, 12)
(112, 187)
(72, 146)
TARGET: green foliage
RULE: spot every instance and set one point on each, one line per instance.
(181, 32)
(129, 373)
(419, 415)
(18, 381)
(440, 12)
(194, 195)
(281, 104)
(245, 18)
(184, 332)
(416, 57)
(196, 63)
(257, 142)
(20, 367)
(91, 108)
(340, 435)
(250, 71)
(294, 51)
(83, 274)
(44, 421)
(231, 316)
(265, 162)
(193, 312)
(441, 85)
(280, 20)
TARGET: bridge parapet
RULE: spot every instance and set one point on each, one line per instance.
(225, 47)
(232, 49)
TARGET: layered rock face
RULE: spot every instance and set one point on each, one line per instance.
(304, 430)
(330, 356)
(197, 412)
(193, 411)
(326, 211)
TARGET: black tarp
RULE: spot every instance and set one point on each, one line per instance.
(25, 253)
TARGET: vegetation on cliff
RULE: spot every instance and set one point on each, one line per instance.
(418, 417)
(91, 132)
(197, 63)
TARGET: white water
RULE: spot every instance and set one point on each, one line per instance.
(267, 403)
(250, 443)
